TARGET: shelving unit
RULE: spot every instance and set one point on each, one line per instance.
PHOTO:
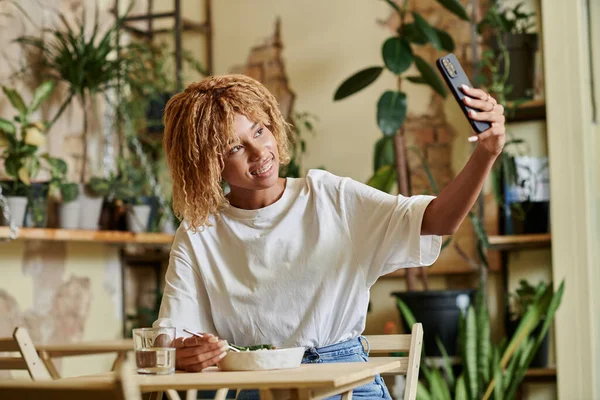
(519, 242)
(77, 235)
(533, 110)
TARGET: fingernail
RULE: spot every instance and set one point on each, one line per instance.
(222, 355)
(213, 340)
(472, 138)
(473, 113)
(464, 87)
(467, 99)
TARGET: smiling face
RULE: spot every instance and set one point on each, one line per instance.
(252, 162)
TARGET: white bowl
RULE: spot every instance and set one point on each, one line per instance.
(261, 360)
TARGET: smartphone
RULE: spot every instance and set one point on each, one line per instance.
(455, 76)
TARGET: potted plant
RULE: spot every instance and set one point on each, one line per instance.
(87, 66)
(138, 207)
(390, 153)
(21, 139)
(513, 46)
(64, 192)
(520, 301)
(488, 368)
(302, 122)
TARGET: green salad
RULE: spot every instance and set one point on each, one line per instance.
(254, 348)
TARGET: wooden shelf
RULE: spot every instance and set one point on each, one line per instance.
(533, 110)
(517, 242)
(76, 235)
(434, 270)
(540, 375)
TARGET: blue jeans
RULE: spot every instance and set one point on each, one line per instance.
(349, 351)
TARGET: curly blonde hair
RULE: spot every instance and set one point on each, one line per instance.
(199, 127)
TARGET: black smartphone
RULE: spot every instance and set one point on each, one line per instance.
(455, 76)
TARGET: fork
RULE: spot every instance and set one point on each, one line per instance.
(201, 335)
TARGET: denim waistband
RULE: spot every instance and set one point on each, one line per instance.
(355, 345)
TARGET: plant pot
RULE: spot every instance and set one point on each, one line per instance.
(91, 207)
(154, 114)
(439, 313)
(17, 205)
(68, 215)
(138, 217)
(521, 49)
(36, 215)
(528, 217)
(540, 358)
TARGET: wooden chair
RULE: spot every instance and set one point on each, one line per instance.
(27, 360)
(381, 345)
(123, 387)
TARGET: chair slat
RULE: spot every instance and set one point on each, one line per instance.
(12, 363)
(8, 344)
(380, 344)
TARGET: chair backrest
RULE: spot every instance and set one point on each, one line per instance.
(27, 360)
(123, 387)
(385, 344)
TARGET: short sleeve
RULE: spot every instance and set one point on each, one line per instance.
(385, 230)
(185, 300)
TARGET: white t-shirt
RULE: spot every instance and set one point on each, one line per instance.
(297, 272)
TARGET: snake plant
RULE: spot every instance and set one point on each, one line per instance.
(489, 370)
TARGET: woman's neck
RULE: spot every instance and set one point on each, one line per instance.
(247, 199)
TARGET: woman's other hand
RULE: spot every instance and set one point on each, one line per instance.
(194, 354)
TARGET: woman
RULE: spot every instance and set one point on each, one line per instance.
(288, 262)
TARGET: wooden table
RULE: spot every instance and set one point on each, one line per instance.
(309, 381)
(49, 351)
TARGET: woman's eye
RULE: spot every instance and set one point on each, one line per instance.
(259, 132)
(235, 149)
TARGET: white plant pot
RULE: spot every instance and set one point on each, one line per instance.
(90, 209)
(17, 205)
(138, 217)
(68, 215)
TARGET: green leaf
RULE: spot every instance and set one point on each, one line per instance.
(397, 54)
(446, 40)
(446, 362)
(427, 30)
(41, 94)
(439, 387)
(408, 316)
(430, 76)
(384, 178)
(384, 152)
(12, 165)
(69, 192)
(414, 35)
(498, 381)
(7, 126)
(483, 337)
(357, 82)
(455, 8)
(422, 392)
(416, 79)
(391, 112)
(15, 99)
(471, 353)
(461, 389)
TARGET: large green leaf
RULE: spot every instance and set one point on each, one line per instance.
(483, 336)
(439, 387)
(357, 82)
(461, 389)
(446, 40)
(427, 30)
(41, 94)
(408, 316)
(384, 152)
(416, 79)
(384, 178)
(455, 8)
(7, 126)
(413, 34)
(391, 112)
(422, 392)
(499, 384)
(446, 362)
(15, 99)
(430, 76)
(397, 54)
(471, 353)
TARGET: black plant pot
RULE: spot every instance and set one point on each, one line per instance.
(439, 313)
(154, 114)
(528, 217)
(540, 359)
(36, 215)
(521, 49)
